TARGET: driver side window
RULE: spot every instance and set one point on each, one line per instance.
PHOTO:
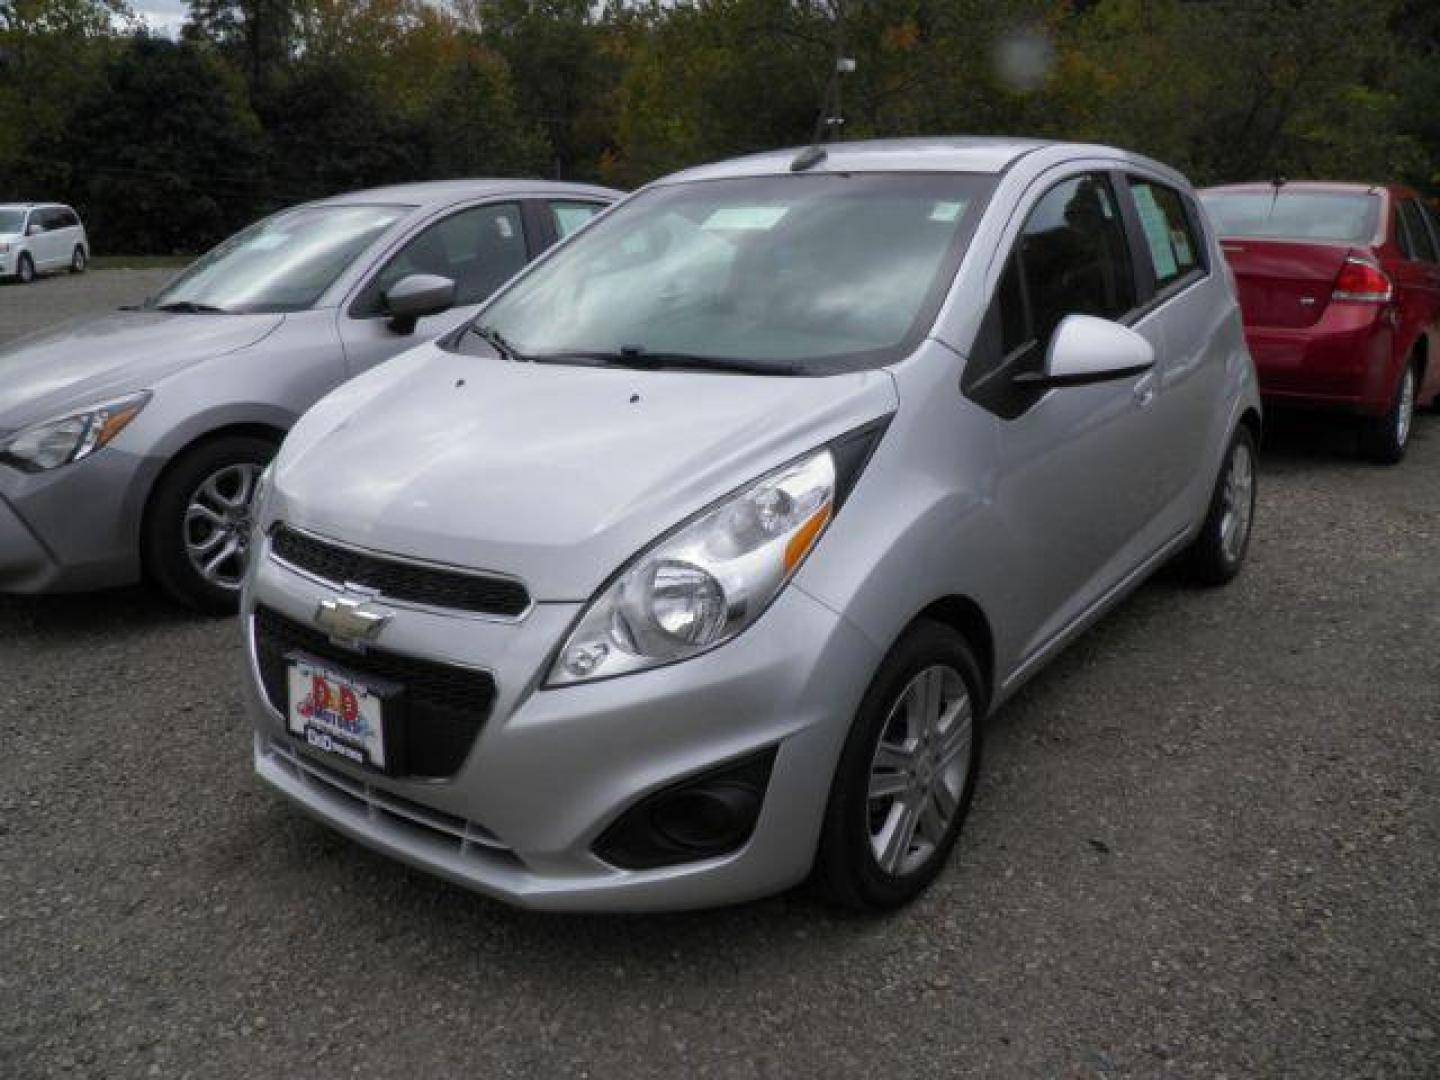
(1071, 257)
(479, 249)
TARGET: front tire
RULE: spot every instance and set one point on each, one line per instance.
(1384, 439)
(25, 269)
(907, 773)
(1217, 554)
(197, 526)
(78, 261)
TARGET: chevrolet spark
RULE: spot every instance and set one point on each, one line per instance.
(689, 568)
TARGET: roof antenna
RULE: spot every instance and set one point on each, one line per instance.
(1276, 184)
(831, 116)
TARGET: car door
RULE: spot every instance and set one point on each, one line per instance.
(479, 247)
(1166, 231)
(1417, 275)
(1076, 487)
(57, 253)
(1431, 389)
(40, 238)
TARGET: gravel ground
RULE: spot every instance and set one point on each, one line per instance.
(1206, 843)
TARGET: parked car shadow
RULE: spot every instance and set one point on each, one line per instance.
(1296, 440)
(98, 615)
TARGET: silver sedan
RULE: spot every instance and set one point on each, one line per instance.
(130, 443)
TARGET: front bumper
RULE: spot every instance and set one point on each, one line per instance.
(73, 528)
(1343, 362)
(551, 769)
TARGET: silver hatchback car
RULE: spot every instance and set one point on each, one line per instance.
(130, 443)
(689, 568)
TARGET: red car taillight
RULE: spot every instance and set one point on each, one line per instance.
(1363, 281)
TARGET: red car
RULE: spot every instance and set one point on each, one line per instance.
(1339, 287)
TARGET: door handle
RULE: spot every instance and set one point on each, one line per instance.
(1144, 391)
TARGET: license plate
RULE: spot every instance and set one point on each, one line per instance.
(337, 713)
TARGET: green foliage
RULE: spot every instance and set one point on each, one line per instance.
(165, 179)
(266, 102)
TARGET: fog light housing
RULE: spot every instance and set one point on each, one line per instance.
(703, 817)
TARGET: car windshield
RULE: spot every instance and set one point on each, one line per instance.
(284, 263)
(802, 273)
(1294, 215)
(12, 221)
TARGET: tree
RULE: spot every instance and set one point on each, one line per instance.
(165, 179)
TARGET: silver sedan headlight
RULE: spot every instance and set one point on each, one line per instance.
(52, 443)
(704, 583)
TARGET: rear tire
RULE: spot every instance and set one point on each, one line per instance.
(79, 260)
(1385, 439)
(903, 786)
(25, 269)
(197, 526)
(1218, 552)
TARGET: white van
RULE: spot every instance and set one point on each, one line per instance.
(41, 238)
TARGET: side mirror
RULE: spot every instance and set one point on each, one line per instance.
(1086, 350)
(33, 229)
(415, 297)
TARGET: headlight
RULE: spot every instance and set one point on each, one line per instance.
(53, 443)
(703, 584)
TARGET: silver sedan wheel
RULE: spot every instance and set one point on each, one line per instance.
(919, 770)
(1239, 503)
(1406, 413)
(217, 524)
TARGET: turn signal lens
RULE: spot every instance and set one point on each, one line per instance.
(1362, 281)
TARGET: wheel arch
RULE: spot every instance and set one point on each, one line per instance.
(968, 619)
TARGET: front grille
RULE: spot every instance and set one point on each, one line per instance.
(396, 580)
(445, 706)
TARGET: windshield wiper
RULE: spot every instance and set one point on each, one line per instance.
(496, 341)
(190, 307)
(636, 356)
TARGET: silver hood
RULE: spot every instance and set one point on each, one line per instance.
(555, 474)
(87, 361)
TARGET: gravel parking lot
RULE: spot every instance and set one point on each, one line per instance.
(1206, 843)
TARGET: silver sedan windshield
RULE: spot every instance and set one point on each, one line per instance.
(284, 263)
(828, 272)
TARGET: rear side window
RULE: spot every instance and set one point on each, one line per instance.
(1421, 245)
(1402, 234)
(1170, 237)
(569, 216)
(1284, 214)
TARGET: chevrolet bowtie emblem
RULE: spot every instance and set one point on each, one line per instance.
(349, 620)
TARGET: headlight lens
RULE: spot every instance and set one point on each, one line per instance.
(53, 443)
(705, 583)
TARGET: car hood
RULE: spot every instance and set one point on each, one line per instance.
(85, 361)
(555, 474)
(10, 237)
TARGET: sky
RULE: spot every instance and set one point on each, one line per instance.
(164, 16)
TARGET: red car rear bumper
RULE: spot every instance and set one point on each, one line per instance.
(1344, 361)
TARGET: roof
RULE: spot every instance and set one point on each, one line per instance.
(1338, 187)
(443, 192)
(972, 155)
(33, 206)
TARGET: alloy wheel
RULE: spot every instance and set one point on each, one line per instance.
(1239, 502)
(217, 524)
(919, 768)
